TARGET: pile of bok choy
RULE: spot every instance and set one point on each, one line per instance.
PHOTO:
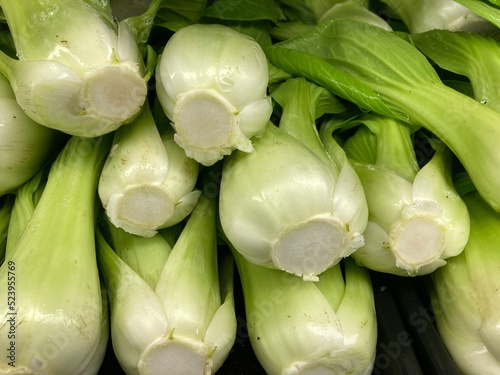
(176, 176)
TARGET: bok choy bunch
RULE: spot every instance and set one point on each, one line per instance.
(416, 218)
(289, 204)
(464, 293)
(393, 78)
(212, 83)
(77, 70)
(54, 319)
(147, 181)
(300, 327)
(172, 308)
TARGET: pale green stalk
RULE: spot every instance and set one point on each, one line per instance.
(465, 294)
(185, 323)
(302, 327)
(27, 197)
(6, 204)
(25, 146)
(146, 256)
(50, 297)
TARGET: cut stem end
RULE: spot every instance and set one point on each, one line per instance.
(174, 356)
(418, 241)
(205, 125)
(140, 210)
(310, 248)
(116, 93)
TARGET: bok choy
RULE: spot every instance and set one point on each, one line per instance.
(76, 70)
(54, 319)
(298, 327)
(181, 317)
(464, 293)
(212, 83)
(147, 181)
(416, 218)
(289, 204)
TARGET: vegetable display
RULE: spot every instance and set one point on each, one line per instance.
(288, 187)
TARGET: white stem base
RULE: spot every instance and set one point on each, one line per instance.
(140, 210)
(416, 242)
(207, 127)
(177, 357)
(312, 247)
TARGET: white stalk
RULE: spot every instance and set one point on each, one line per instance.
(278, 206)
(424, 15)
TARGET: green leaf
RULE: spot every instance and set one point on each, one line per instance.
(469, 54)
(489, 10)
(310, 55)
(244, 10)
(175, 14)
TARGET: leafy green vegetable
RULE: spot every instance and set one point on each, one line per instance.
(247, 10)
(424, 15)
(465, 294)
(416, 218)
(310, 328)
(489, 10)
(352, 9)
